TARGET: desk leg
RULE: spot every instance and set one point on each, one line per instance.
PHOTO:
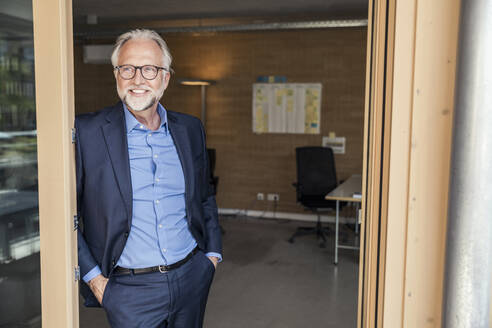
(336, 232)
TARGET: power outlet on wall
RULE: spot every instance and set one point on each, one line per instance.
(260, 196)
(273, 197)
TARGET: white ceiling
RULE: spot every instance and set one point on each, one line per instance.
(111, 11)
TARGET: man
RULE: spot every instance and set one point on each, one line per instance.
(150, 240)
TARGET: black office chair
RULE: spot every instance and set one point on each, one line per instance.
(316, 177)
(214, 181)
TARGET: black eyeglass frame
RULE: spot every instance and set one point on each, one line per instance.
(140, 68)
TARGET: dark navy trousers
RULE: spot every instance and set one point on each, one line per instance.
(175, 299)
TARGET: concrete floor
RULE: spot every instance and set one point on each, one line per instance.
(265, 281)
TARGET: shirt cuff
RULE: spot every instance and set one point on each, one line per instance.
(95, 271)
(217, 255)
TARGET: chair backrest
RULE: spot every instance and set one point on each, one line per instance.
(213, 180)
(211, 160)
(316, 174)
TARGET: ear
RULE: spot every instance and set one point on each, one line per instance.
(167, 77)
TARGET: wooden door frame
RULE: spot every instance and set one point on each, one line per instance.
(411, 49)
(379, 67)
(53, 51)
(411, 64)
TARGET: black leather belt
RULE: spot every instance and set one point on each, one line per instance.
(159, 268)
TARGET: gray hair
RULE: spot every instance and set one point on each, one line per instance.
(146, 35)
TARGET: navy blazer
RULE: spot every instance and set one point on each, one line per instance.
(104, 191)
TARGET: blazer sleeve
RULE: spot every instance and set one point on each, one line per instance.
(86, 260)
(214, 242)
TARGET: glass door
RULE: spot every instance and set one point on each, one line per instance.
(20, 289)
(38, 261)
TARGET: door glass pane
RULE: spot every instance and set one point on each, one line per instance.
(20, 297)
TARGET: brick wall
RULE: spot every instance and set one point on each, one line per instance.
(249, 163)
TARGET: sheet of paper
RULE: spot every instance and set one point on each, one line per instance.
(337, 144)
(290, 108)
(261, 94)
(277, 117)
(312, 104)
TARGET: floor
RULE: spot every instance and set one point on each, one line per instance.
(265, 281)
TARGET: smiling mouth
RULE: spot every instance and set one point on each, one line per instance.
(138, 92)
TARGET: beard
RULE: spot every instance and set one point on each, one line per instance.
(139, 104)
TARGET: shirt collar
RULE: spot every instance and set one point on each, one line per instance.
(132, 123)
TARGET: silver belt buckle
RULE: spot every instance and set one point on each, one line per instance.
(162, 269)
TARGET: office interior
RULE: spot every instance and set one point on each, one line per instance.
(247, 163)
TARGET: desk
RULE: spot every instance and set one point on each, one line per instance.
(345, 192)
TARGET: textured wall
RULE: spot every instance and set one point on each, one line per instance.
(249, 163)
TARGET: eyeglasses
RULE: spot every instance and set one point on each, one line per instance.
(149, 72)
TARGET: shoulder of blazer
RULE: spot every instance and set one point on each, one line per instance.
(184, 119)
(94, 120)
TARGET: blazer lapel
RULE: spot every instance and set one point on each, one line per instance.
(116, 142)
(182, 142)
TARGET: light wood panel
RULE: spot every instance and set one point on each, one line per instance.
(376, 156)
(387, 135)
(54, 118)
(425, 56)
(248, 163)
(362, 307)
(436, 37)
(399, 170)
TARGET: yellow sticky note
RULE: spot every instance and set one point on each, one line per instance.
(332, 135)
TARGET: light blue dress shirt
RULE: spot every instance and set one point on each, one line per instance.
(159, 234)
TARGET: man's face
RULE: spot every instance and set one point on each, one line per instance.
(138, 93)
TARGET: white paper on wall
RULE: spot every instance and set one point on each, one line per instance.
(261, 95)
(287, 108)
(337, 144)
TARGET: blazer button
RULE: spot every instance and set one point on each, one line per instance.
(113, 262)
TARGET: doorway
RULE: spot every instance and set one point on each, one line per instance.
(250, 163)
